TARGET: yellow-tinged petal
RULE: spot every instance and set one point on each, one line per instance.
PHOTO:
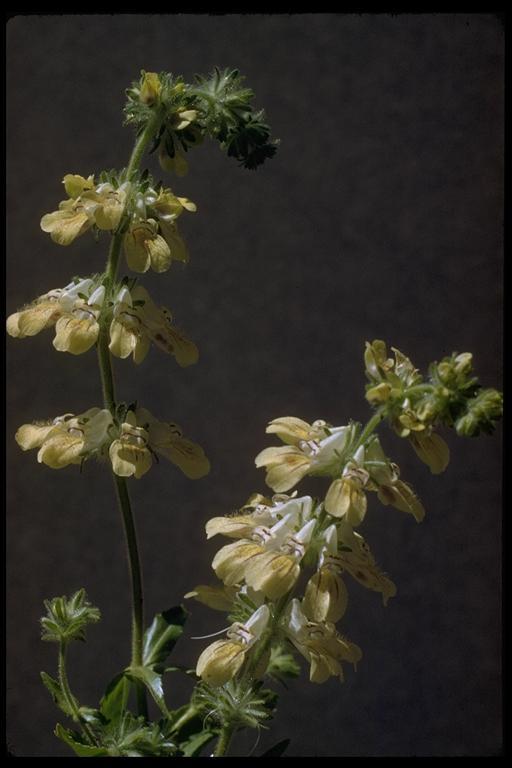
(289, 429)
(401, 496)
(322, 667)
(12, 326)
(175, 243)
(108, 214)
(188, 456)
(234, 527)
(287, 465)
(34, 319)
(150, 88)
(61, 449)
(231, 561)
(66, 225)
(219, 598)
(75, 335)
(172, 341)
(126, 340)
(187, 204)
(75, 185)
(432, 450)
(137, 255)
(326, 597)
(335, 500)
(177, 164)
(272, 573)
(129, 460)
(159, 253)
(346, 498)
(31, 436)
(220, 662)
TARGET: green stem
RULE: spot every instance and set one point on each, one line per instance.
(184, 719)
(133, 164)
(70, 699)
(224, 741)
(109, 399)
(371, 425)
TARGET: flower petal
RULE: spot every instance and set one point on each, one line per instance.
(75, 335)
(220, 662)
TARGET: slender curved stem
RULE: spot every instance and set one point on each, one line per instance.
(371, 425)
(70, 699)
(109, 399)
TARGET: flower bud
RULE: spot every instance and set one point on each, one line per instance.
(481, 413)
(150, 88)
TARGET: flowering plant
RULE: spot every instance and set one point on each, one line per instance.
(284, 578)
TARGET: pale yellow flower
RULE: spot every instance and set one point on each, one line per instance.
(77, 331)
(129, 454)
(220, 598)
(326, 596)
(319, 643)
(88, 205)
(401, 496)
(111, 203)
(223, 659)
(268, 562)
(68, 439)
(145, 248)
(312, 449)
(432, 450)
(346, 496)
(354, 557)
(142, 435)
(75, 185)
(261, 512)
(42, 313)
(73, 218)
(156, 323)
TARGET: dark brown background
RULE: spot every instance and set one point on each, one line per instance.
(381, 216)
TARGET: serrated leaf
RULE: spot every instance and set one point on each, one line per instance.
(79, 748)
(160, 638)
(277, 750)
(194, 745)
(114, 702)
(55, 690)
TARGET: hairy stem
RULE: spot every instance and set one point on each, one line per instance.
(224, 741)
(109, 399)
(70, 699)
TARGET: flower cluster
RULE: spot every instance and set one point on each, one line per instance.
(130, 443)
(278, 540)
(218, 106)
(134, 321)
(337, 452)
(275, 541)
(146, 215)
(415, 406)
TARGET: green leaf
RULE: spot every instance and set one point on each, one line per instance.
(92, 716)
(153, 682)
(277, 750)
(56, 693)
(73, 740)
(115, 700)
(193, 746)
(160, 638)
